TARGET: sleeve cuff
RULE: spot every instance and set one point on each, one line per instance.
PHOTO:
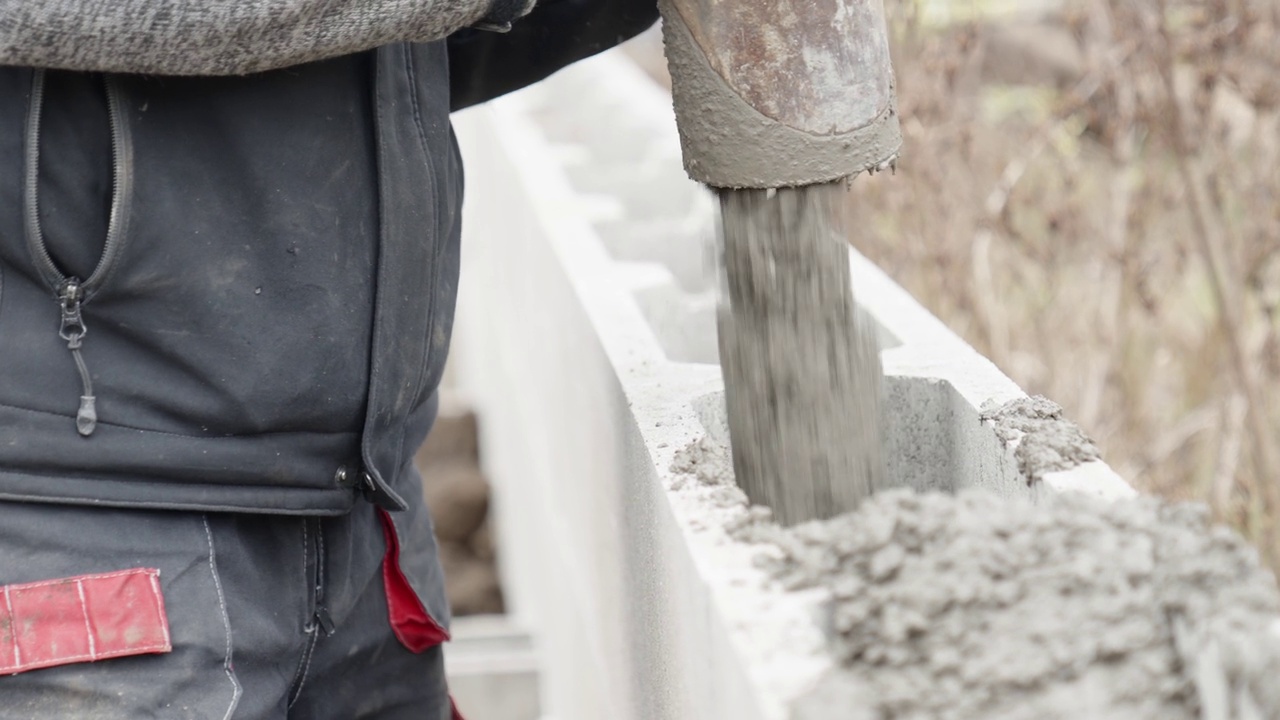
(502, 13)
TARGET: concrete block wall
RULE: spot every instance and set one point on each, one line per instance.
(586, 340)
(492, 669)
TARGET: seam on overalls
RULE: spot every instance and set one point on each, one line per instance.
(312, 627)
(305, 667)
(236, 690)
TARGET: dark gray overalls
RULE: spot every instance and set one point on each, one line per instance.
(225, 306)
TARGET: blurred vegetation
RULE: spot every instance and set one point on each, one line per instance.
(1090, 197)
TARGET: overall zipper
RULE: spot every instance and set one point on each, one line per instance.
(72, 293)
(73, 331)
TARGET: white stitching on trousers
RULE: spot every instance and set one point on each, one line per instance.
(306, 666)
(88, 629)
(17, 651)
(226, 621)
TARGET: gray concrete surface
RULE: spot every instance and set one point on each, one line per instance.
(579, 343)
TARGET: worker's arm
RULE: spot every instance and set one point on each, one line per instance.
(224, 37)
(557, 33)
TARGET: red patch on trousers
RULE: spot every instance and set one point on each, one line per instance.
(413, 625)
(82, 619)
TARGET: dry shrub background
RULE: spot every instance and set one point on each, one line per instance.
(1090, 199)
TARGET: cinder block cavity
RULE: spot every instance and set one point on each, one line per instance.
(885, 338)
(685, 247)
(684, 323)
(924, 448)
(649, 193)
(917, 419)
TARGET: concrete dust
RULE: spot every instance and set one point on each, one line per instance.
(1046, 441)
(706, 460)
(971, 606)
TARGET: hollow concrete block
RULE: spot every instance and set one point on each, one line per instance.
(586, 339)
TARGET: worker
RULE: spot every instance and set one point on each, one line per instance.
(228, 259)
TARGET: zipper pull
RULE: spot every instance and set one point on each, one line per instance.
(325, 621)
(70, 295)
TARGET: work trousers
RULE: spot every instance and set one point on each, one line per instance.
(128, 614)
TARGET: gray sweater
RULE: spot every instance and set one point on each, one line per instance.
(218, 37)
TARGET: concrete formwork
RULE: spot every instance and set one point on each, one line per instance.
(586, 340)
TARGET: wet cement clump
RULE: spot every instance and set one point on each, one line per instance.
(1046, 442)
(706, 461)
(972, 607)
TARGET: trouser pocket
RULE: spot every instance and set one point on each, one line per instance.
(111, 614)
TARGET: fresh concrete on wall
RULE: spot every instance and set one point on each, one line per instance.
(586, 340)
